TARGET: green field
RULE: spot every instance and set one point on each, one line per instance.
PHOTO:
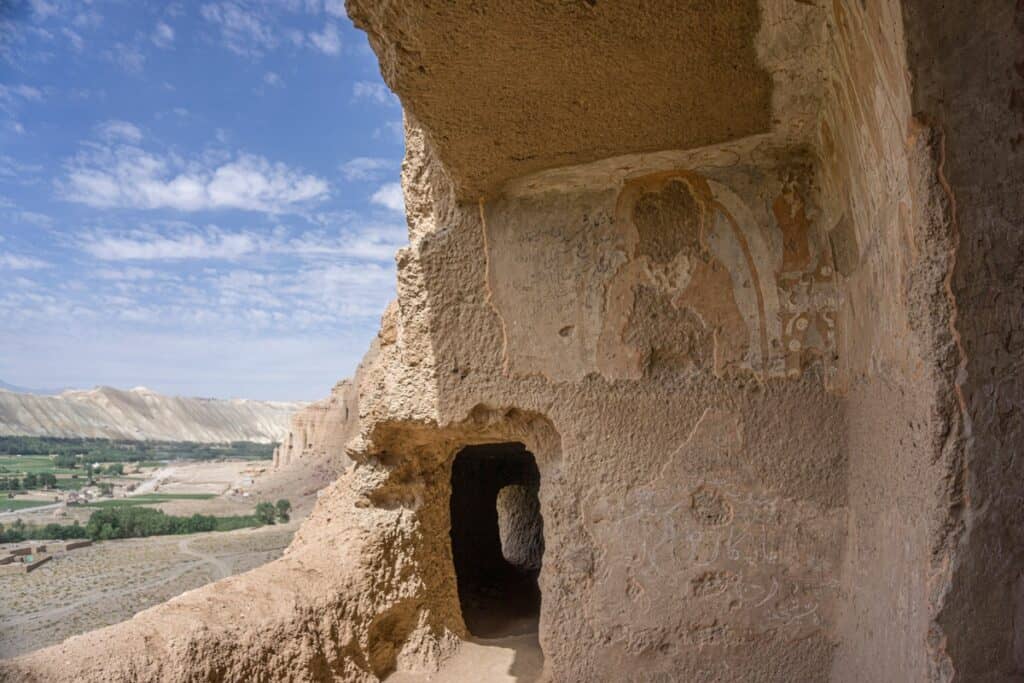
(148, 499)
(119, 450)
(15, 504)
(36, 464)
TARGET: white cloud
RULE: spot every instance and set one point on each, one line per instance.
(377, 92)
(335, 7)
(128, 177)
(389, 196)
(363, 242)
(44, 9)
(367, 168)
(163, 35)
(37, 219)
(243, 32)
(128, 274)
(272, 79)
(12, 168)
(25, 92)
(327, 41)
(119, 130)
(141, 245)
(129, 57)
(10, 261)
(13, 96)
(77, 42)
(87, 19)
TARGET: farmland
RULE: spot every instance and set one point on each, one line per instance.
(148, 499)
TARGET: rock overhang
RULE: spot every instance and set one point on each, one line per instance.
(569, 82)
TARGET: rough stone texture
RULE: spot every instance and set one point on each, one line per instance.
(520, 526)
(321, 428)
(771, 384)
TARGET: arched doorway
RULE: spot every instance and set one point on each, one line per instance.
(497, 538)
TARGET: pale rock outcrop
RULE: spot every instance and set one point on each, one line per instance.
(320, 428)
(139, 413)
(767, 364)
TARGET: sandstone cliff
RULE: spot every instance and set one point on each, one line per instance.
(139, 413)
(320, 428)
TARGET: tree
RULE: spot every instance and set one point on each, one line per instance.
(48, 480)
(283, 508)
(30, 481)
(106, 488)
(265, 513)
(66, 461)
(115, 468)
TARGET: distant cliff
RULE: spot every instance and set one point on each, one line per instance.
(321, 429)
(142, 414)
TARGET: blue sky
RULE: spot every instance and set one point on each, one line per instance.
(198, 197)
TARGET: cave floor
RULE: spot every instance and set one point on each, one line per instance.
(499, 660)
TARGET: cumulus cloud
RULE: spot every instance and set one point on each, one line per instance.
(163, 35)
(390, 197)
(375, 92)
(367, 168)
(119, 130)
(125, 176)
(327, 41)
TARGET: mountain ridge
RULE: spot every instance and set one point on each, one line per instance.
(143, 414)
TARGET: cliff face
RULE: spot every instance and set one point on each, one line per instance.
(322, 428)
(109, 413)
(765, 367)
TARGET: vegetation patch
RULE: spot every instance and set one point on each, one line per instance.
(148, 499)
(138, 522)
(15, 504)
(115, 450)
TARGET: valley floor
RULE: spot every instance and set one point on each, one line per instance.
(110, 581)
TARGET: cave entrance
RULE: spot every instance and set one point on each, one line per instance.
(497, 538)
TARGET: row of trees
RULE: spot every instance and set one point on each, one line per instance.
(46, 480)
(72, 451)
(134, 522)
(137, 521)
(268, 513)
(19, 531)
